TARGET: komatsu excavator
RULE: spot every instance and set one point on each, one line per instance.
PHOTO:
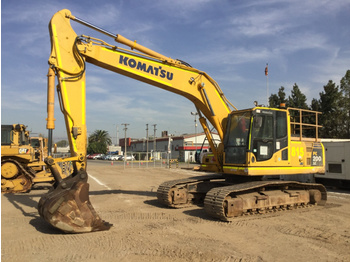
(256, 143)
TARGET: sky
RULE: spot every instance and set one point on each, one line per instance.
(303, 42)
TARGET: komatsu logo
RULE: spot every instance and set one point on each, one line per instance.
(157, 71)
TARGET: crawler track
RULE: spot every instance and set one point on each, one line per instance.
(16, 183)
(224, 200)
(246, 198)
(180, 193)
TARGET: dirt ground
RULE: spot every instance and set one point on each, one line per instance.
(146, 231)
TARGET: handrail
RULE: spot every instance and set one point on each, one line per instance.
(301, 122)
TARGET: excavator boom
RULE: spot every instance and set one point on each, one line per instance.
(68, 206)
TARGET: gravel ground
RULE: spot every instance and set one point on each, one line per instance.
(146, 231)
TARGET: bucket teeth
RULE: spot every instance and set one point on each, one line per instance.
(70, 210)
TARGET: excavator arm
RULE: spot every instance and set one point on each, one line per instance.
(67, 206)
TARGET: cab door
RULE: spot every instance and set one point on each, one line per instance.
(269, 134)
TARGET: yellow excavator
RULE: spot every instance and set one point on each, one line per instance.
(256, 144)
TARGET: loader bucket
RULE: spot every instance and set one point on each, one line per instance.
(68, 207)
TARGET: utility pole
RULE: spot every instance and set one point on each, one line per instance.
(147, 144)
(195, 128)
(154, 143)
(154, 138)
(117, 137)
(125, 128)
(169, 150)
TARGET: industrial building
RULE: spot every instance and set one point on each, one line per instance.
(182, 147)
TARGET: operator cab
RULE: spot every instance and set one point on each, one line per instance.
(262, 131)
(14, 134)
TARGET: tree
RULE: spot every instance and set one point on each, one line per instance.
(331, 117)
(297, 99)
(62, 143)
(315, 105)
(276, 100)
(334, 104)
(345, 103)
(99, 141)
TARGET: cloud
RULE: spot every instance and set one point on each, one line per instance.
(304, 42)
(231, 55)
(184, 9)
(24, 100)
(257, 23)
(104, 14)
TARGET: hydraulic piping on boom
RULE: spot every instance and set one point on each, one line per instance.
(255, 142)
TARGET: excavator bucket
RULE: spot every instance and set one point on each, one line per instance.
(68, 207)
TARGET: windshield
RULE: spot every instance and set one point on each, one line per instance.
(236, 137)
(6, 134)
(34, 142)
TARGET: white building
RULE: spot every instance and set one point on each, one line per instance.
(181, 147)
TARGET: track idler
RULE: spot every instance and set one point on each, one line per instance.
(68, 207)
(14, 177)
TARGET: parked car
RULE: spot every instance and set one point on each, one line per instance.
(108, 157)
(100, 156)
(115, 157)
(92, 156)
(128, 158)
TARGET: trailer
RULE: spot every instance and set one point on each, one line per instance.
(337, 163)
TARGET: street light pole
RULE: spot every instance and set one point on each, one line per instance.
(125, 128)
(195, 129)
(116, 138)
(154, 143)
(169, 150)
(147, 145)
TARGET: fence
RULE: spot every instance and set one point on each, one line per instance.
(155, 160)
(142, 160)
